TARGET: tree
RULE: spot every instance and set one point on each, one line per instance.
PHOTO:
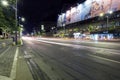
(5, 30)
(7, 18)
(90, 28)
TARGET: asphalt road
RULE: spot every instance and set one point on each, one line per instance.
(59, 60)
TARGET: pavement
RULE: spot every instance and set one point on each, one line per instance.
(6, 61)
(12, 63)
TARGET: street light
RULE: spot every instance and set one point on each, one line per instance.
(109, 12)
(4, 3)
(23, 19)
(102, 14)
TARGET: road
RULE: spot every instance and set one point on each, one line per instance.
(65, 60)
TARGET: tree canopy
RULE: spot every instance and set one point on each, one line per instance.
(7, 17)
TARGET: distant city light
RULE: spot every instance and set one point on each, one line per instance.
(42, 27)
(96, 36)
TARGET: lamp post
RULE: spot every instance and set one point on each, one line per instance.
(64, 28)
(21, 21)
(109, 12)
(107, 17)
(21, 30)
(5, 3)
(16, 22)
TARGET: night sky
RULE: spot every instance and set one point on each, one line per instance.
(36, 11)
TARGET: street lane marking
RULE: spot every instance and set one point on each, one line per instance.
(106, 59)
(78, 41)
(27, 55)
(63, 44)
(14, 66)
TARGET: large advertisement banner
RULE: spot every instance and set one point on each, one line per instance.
(68, 17)
(115, 6)
(79, 11)
(59, 21)
(90, 9)
(100, 6)
(63, 18)
(86, 7)
(73, 14)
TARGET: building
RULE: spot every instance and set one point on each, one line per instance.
(98, 19)
(49, 28)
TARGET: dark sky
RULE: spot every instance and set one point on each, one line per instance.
(36, 11)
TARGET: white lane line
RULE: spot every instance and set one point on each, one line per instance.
(78, 41)
(14, 66)
(4, 51)
(63, 44)
(106, 59)
(83, 47)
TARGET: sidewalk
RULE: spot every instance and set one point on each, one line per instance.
(6, 61)
(12, 63)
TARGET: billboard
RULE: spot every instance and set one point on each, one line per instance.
(73, 14)
(90, 9)
(63, 18)
(93, 8)
(59, 21)
(68, 16)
